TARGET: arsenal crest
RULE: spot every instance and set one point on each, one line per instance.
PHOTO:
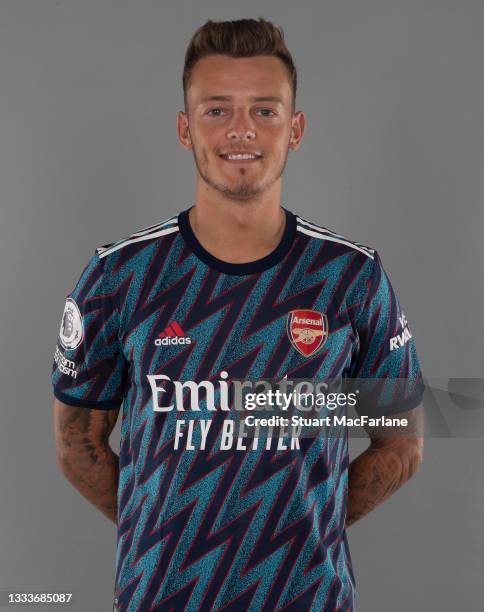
(307, 330)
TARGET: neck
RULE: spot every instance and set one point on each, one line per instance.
(238, 231)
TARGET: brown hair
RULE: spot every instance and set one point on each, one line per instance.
(240, 38)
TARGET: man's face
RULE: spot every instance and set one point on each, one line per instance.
(240, 106)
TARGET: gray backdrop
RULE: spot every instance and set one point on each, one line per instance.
(393, 157)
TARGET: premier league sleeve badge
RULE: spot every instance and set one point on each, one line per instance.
(71, 330)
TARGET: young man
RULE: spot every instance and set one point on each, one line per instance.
(235, 288)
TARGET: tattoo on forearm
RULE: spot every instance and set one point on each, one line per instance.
(379, 472)
(86, 457)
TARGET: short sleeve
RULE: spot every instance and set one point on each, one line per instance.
(387, 356)
(89, 367)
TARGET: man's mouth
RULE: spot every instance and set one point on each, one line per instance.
(242, 157)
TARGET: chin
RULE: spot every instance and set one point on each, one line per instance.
(241, 195)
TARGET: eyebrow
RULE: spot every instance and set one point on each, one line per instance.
(255, 99)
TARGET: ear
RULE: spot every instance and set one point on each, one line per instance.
(183, 130)
(297, 130)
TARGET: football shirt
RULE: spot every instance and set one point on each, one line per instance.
(159, 326)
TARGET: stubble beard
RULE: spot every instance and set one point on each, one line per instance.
(243, 190)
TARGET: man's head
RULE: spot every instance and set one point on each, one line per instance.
(239, 85)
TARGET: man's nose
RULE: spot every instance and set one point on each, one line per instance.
(241, 127)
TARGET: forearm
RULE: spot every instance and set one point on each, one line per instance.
(84, 454)
(94, 472)
(378, 472)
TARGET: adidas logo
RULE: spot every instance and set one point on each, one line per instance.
(172, 335)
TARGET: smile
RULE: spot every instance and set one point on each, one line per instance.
(240, 157)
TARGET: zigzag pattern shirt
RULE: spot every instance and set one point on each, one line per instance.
(205, 523)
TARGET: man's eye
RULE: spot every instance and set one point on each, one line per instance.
(267, 112)
(215, 112)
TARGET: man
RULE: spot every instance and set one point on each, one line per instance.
(235, 288)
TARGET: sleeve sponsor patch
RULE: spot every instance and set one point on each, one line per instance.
(65, 365)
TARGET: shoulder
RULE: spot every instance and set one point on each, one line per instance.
(318, 232)
(153, 232)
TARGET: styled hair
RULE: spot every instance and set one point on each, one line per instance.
(240, 38)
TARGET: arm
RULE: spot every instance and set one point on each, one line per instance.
(388, 462)
(84, 455)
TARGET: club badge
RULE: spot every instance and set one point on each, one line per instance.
(71, 330)
(307, 330)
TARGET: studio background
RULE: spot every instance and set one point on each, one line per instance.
(393, 157)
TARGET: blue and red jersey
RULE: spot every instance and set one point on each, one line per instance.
(207, 526)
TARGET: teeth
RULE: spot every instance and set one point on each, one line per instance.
(241, 156)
